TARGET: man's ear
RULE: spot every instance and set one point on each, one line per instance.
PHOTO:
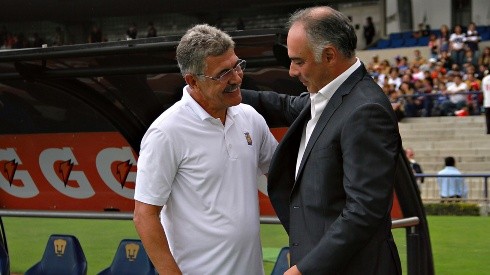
(190, 80)
(329, 54)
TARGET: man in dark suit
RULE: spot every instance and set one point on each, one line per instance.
(332, 176)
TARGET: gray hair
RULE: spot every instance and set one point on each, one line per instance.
(198, 43)
(326, 26)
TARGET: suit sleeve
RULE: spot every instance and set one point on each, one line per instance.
(369, 143)
(279, 110)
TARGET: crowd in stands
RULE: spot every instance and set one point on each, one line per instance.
(446, 83)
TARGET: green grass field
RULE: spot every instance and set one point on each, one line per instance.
(460, 245)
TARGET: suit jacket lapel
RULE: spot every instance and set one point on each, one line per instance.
(327, 113)
(283, 166)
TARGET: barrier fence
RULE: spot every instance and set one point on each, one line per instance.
(476, 183)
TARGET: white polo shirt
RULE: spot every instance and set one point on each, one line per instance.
(205, 174)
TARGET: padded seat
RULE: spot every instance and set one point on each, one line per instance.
(282, 262)
(397, 43)
(383, 44)
(410, 42)
(63, 255)
(130, 258)
(4, 261)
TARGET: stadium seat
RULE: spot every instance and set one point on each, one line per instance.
(282, 262)
(485, 35)
(395, 35)
(63, 255)
(4, 261)
(410, 42)
(423, 41)
(407, 34)
(383, 44)
(130, 258)
(397, 43)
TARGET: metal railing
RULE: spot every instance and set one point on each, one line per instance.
(405, 222)
(477, 186)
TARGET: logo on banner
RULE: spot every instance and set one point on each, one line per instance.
(9, 169)
(122, 172)
(64, 170)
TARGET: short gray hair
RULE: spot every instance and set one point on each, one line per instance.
(198, 43)
(327, 27)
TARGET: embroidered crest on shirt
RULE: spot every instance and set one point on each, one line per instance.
(248, 137)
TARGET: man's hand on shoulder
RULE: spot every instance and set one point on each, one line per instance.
(292, 271)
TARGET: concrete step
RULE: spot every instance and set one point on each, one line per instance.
(411, 138)
(446, 144)
(464, 167)
(458, 158)
(447, 130)
(443, 119)
(435, 138)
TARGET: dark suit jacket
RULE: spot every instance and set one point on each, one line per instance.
(337, 211)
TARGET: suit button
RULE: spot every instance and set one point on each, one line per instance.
(295, 244)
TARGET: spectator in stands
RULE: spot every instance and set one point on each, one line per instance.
(441, 100)
(397, 102)
(443, 39)
(95, 35)
(457, 95)
(418, 58)
(3, 36)
(240, 24)
(451, 188)
(446, 60)
(210, 223)
(151, 31)
(486, 99)
(20, 41)
(433, 46)
(369, 31)
(413, 102)
(457, 44)
(131, 32)
(474, 97)
(402, 64)
(473, 39)
(484, 58)
(36, 41)
(416, 168)
(394, 77)
(423, 30)
(470, 58)
(423, 89)
(59, 37)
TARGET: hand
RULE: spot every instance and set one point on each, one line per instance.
(292, 271)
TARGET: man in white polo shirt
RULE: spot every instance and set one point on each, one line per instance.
(199, 165)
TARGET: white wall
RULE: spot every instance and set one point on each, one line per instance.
(481, 12)
(392, 18)
(437, 12)
(359, 12)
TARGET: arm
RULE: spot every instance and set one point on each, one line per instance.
(152, 234)
(279, 110)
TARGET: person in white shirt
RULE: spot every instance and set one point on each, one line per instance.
(485, 86)
(457, 95)
(457, 42)
(199, 166)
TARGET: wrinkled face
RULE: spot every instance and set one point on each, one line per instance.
(303, 65)
(215, 96)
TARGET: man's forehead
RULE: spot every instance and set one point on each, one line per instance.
(297, 43)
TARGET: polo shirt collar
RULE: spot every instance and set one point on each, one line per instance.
(187, 100)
